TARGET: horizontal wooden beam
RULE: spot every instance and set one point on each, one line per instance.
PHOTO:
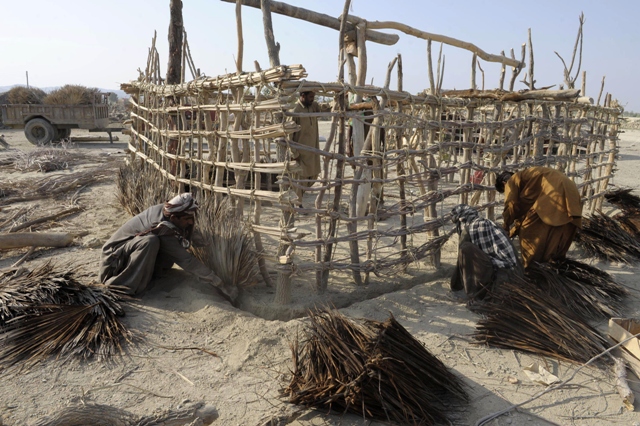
(320, 19)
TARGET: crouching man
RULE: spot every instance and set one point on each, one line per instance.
(152, 242)
(485, 255)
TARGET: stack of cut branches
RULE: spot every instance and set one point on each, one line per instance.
(588, 291)
(44, 160)
(72, 94)
(520, 316)
(604, 238)
(140, 186)
(47, 311)
(228, 248)
(375, 369)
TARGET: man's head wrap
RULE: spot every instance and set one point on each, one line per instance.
(501, 180)
(463, 213)
(181, 205)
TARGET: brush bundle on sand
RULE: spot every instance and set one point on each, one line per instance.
(23, 95)
(43, 160)
(55, 185)
(587, 291)
(71, 94)
(229, 249)
(140, 186)
(47, 311)
(604, 238)
(623, 199)
(376, 369)
(519, 316)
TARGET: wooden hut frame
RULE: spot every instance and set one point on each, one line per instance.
(437, 145)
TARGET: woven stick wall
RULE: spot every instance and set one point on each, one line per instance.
(231, 136)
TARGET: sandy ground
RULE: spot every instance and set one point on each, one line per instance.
(253, 359)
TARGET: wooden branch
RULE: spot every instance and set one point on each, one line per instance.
(532, 81)
(273, 48)
(175, 42)
(319, 19)
(29, 239)
(601, 90)
(503, 71)
(24, 258)
(436, 37)
(432, 82)
(46, 218)
(240, 37)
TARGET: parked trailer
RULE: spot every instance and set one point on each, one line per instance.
(44, 124)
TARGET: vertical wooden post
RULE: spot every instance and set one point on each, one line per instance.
(273, 48)
(611, 161)
(175, 42)
(341, 107)
(240, 37)
(401, 175)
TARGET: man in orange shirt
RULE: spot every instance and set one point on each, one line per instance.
(545, 209)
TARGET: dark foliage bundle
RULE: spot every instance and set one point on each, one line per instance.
(623, 199)
(604, 238)
(229, 248)
(139, 186)
(23, 95)
(588, 291)
(376, 369)
(519, 316)
(72, 94)
(48, 312)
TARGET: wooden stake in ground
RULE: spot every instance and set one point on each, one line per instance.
(176, 29)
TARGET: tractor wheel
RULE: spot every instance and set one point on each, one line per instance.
(39, 131)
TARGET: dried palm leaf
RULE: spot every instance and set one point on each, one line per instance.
(623, 199)
(71, 94)
(229, 249)
(24, 95)
(140, 186)
(375, 369)
(517, 315)
(586, 290)
(604, 238)
(44, 160)
(47, 311)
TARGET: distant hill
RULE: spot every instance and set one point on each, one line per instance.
(120, 93)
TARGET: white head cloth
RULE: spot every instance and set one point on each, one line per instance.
(183, 204)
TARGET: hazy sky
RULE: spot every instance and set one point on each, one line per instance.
(102, 44)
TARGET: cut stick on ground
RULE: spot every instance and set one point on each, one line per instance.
(24, 258)
(46, 218)
(622, 385)
(28, 239)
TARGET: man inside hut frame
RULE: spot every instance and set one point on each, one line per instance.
(150, 243)
(308, 135)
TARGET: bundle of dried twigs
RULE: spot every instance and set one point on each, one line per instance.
(140, 186)
(72, 94)
(588, 291)
(23, 95)
(375, 369)
(229, 249)
(47, 311)
(623, 199)
(604, 238)
(43, 160)
(55, 185)
(519, 316)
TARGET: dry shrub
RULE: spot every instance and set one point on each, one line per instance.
(228, 248)
(140, 186)
(71, 94)
(23, 95)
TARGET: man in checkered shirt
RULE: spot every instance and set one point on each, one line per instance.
(485, 254)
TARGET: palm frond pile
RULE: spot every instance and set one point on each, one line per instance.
(23, 95)
(229, 250)
(71, 94)
(140, 186)
(47, 311)
(604, 238)
(588, 291)
(623, 199)
(43, 160)
(375, 369)
(519, 316)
